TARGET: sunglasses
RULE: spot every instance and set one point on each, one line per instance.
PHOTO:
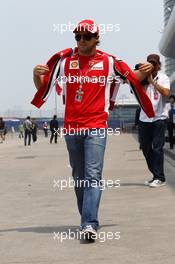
(86, 37)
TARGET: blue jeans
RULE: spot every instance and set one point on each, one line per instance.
(86, 155)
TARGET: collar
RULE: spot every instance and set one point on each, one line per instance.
(99, 54)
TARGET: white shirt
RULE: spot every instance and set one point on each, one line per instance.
(158, 100)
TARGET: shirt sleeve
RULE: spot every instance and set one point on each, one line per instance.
(165, 82)
(115, 84)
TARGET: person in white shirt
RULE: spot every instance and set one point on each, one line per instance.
(152, 130)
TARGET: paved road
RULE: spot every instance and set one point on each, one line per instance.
(32, 209)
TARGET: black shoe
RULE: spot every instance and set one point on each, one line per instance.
(89, 233)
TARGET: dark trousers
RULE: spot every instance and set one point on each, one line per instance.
(152, 139)
(34, 136)
(54, 135)
(170, 127)
(27, 134)
(45, 132)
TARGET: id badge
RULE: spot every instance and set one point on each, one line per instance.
(79, 96)
(156, 96)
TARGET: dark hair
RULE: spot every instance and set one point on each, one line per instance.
(172, 96)
(98, 41)
(54, 117)
(96, 35)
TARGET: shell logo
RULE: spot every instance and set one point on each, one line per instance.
(74, 64)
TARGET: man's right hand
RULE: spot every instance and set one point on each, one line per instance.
(40, 70)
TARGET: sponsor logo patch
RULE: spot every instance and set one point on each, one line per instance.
(74, 65)
(97, 66)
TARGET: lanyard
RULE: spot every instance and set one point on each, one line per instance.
(79, 91)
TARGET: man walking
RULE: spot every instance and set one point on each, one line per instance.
(152, 130)
(54, 126)
(34, 130)
(87, 101)
(45, 129)
(27, 130)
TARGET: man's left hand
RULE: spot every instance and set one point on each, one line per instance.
(143, 71)
(146, 67)
(150, 79)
